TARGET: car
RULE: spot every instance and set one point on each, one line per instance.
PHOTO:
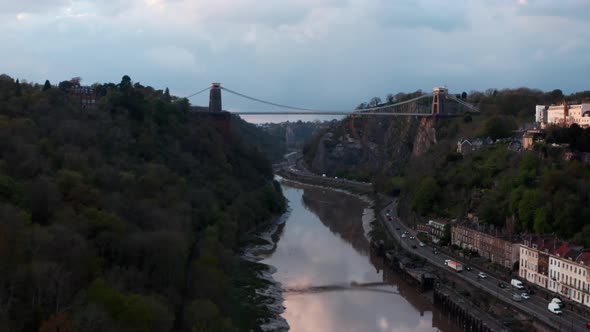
(434, 251)
(516, 297)
(397, 228)
(421, 244)
(468, 268)
(414, 246)
(501, 285)
(525, 296)
(324, 175)
(403, 235)
(588, 325)
(411, 237)
(481, 275)
(389, 218)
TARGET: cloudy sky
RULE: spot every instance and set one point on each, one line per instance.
(328, 54)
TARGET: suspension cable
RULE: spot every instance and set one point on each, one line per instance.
(321, 111)
(270, 102)
(198, 92)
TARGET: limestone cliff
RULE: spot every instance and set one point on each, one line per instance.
(364, 147)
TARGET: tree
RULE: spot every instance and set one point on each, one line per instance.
(47, 85)
(125, 83)
(167, 95)
(425, 196)
(65, 85)
(17, 89)
(375, 101)
(541, 225)
(526, 208)
(390, 98)
(556, 96)
(499, 127)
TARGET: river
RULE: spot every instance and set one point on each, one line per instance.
(330, 280)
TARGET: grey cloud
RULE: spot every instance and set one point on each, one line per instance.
(443, 18)
(574, 9)
(31, 6)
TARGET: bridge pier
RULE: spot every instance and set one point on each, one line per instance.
(438, 100)
(215, 97)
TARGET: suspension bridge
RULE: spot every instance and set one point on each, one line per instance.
(437, 103)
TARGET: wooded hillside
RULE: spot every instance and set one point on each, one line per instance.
(123, 216)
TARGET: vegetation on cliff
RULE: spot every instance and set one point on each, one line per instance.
(123, 216)
(536, 191)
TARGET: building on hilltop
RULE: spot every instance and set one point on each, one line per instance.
(498, 247)
(560, 267)
(563, 115)
(85, 95)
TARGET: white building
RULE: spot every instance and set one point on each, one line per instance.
(564, 115)
(562, 268)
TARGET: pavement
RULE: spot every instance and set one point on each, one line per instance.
(536, 306)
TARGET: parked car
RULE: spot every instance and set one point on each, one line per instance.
(501, 285)
(516, 297)
(481, 275)
(421, 244)
(403, 235)
(468, 268)
(389, 218)
(525, 296)
(411, 237)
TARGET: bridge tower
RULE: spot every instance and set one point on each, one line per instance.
(438, 100)
(215, 97)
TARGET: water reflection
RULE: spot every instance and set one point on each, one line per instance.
(323, 244)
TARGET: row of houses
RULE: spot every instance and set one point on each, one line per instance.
(558, 266)
(561, 267)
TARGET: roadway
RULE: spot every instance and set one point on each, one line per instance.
(535, 306)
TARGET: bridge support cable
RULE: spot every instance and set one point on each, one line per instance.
(469, 106)
(270, 102)
(197, 93)
(310, 111)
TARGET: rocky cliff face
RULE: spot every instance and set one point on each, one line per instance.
(364, 147)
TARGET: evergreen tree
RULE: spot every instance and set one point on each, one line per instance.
(125, 83)
(167, 95)
(17, 89)
(47, 85)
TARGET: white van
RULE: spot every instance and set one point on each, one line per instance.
(557, 301)
(554, 308)
(517, 284)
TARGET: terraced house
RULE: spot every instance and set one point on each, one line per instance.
(561, 267)
(497, 247)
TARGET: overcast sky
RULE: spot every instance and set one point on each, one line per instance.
(328, 54)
